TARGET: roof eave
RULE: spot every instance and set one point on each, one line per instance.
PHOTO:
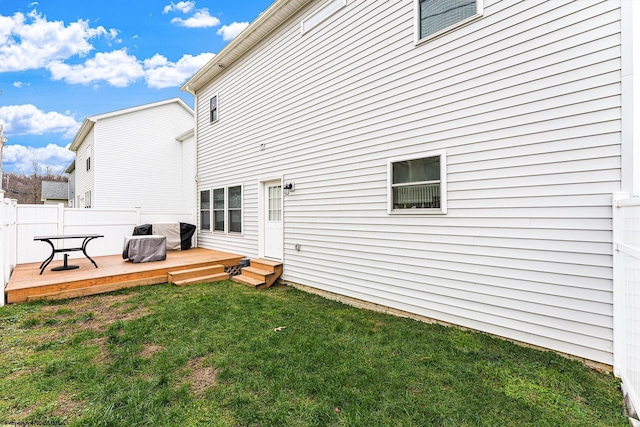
(262, 26)
(84, 130)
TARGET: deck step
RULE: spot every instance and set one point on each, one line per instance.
(257, 273)
(266, 264)
(249, 281)
(217, 277)
(261, 274)
(179, 275)
(94, 290)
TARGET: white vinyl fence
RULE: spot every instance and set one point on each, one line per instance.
(7, 240)
(19, 224)
(626, 291)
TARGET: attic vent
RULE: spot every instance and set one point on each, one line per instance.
(328, 9)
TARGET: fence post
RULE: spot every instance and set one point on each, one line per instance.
(61, 218)
(619, 307)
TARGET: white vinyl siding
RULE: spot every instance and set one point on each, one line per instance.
(84, 179)
(139, 163)
(324, 12)
(526, 104)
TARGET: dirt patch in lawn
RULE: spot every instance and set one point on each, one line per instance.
(67, 407)
(96, 314)
(201, 377)
(150, 349)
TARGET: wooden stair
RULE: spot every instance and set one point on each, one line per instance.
(213, 273)
(261, 274)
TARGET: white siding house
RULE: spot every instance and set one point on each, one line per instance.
(458, 166)
(140, 157)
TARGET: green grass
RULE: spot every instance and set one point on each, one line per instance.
(208, 355)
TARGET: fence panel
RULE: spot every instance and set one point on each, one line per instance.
(151, 217)
(7, 241)
(627, 296)
(31, 221)
(114, 224)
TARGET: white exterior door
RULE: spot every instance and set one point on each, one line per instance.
(273, 237)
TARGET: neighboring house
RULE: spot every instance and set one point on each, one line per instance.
(71, 170)
(451, 159)
(140, 157)
(55, 192)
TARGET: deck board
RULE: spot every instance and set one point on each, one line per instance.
(26, 283)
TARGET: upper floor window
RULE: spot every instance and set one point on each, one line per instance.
(418, 185)
(434, 17)
(213, 109)
(88, 162)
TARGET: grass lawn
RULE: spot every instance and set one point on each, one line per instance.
(210, 355)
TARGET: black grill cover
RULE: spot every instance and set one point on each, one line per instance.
(186, 233)
(142, 230)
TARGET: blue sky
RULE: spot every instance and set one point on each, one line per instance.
(64, 60)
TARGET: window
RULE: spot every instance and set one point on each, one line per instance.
(235, 209)
(226, 209)
(218, 209)
(418, 185)
(275, 203)
(205, 210)
(434, 17)
(88, 157)
(87, 199)
(213, 109)
(321, 14)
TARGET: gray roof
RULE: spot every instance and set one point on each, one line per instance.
(55, 190)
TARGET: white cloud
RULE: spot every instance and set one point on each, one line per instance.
(120, 69)
(117, 68)
(228, 32)
(27, 119)
(161, 73)
(20, 159)
(182, 6)
(21, 84)
(31, 41)
(200, 19)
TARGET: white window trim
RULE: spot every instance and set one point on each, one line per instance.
(200, 229)
(227, 223)
(88, 160)
(215, 95)
(88, 198)
(443, 184)
(321, 14)
(416, 14)
(226, 211)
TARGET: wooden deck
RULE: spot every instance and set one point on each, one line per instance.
(26, 284)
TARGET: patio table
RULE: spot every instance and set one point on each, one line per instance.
(48, 239)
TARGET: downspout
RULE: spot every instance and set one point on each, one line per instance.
(196, 212)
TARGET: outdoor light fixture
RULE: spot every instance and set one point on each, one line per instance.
(288, 188)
